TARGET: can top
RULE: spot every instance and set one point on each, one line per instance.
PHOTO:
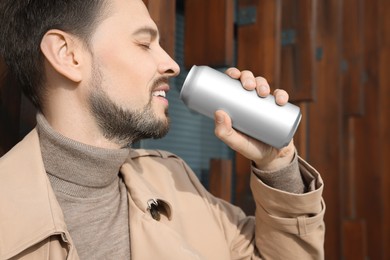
(187, 81)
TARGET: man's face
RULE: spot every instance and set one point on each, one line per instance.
(129, 75)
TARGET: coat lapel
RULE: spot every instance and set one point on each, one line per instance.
(150, 238)
(29, 211)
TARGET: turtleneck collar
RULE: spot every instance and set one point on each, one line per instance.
(78, 163)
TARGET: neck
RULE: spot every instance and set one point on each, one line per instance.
(68, 113)
(76, 162)
(76, 123)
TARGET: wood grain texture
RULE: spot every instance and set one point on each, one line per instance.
(208, 36)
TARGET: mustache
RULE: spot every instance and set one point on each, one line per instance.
(158, 82)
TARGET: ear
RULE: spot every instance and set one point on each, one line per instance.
(64, 53)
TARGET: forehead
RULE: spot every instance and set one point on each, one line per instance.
(132, 14)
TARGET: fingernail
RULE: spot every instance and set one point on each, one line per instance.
(281, 100)
(262, 89)
(234, 73)
(249, 83)
(219, 119)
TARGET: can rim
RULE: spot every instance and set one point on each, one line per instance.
(187, 80)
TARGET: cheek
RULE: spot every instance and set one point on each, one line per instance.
(128, 70)
(125, 83)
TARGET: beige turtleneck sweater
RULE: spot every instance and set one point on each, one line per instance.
(90, 191)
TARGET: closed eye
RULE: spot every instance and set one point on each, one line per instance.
(145, 46)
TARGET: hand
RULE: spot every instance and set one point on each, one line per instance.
(264, 156)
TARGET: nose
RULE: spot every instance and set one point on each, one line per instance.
(167, 66)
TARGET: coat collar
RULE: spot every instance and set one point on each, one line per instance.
(29, 211)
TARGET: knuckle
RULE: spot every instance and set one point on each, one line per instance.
(219, 132)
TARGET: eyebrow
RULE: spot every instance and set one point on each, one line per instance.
(147, 30)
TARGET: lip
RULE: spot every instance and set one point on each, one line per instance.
(164, 87)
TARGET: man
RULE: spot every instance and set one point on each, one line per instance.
(74, 189)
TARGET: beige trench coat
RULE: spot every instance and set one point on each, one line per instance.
(193, 224)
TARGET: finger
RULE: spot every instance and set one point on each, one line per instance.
(233, 72)
(225, 132)
(248, 80)
(281, 97)
(262, 87)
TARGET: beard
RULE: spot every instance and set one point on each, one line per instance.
(120, 125)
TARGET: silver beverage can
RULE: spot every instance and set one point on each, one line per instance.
(206, 90)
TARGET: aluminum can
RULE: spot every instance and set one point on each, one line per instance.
(206, 90)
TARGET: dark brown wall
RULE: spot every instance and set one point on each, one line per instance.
(337, 69)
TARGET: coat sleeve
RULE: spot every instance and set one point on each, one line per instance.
(285, 226)
(290, 226)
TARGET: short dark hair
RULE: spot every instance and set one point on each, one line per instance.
(23, 23)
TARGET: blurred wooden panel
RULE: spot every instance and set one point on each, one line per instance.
(2, 71)
(298, 49)
(324, 117)
(259, 43)
(209, 27)
(242, 193)
(2, 134)
(368, 174)
(352, 65)
(27, 116)
(258, 50)
(221, 173)
(163, 12)
(384, 119)
(369, 142)
(349, 173)
(10, 99)
(302, 134)
(354, 244)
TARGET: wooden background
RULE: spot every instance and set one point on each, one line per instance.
(333, 56)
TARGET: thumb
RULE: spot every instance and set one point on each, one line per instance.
(223, 125)
(225, 132)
